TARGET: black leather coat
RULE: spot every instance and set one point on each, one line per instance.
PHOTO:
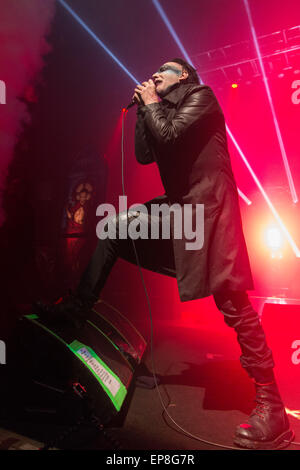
(185, 135)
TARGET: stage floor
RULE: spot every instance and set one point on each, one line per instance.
(202, 386)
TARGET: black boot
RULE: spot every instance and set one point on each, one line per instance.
(268, 426)
(71, 309)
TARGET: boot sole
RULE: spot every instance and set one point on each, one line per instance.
(280, 442)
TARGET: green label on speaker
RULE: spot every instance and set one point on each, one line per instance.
(109, 381)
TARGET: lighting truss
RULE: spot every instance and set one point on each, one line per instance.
(238, 62)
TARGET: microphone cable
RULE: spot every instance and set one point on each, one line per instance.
(184, 431)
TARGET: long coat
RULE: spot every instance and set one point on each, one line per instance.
(185, 135)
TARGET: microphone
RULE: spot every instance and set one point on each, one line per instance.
(132, 103)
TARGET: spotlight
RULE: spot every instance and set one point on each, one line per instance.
(274, 240)
(234, 85)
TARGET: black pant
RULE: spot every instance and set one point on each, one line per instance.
(157, 255)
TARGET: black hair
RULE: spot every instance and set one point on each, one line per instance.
(193, 76)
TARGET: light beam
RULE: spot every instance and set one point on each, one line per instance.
(265, 196)
(244, 197)
(108, 51)
(93, 35)
(173, 32)
(277, 128)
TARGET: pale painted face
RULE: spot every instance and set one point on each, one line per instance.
(167, 75)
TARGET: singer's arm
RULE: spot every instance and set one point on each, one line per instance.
(143, 151)
(199, 103)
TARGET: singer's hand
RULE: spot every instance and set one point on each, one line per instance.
(146, 93)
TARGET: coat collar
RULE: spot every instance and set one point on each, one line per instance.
(178, 92)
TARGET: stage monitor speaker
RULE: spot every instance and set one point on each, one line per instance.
(281, 323)
(52, 357)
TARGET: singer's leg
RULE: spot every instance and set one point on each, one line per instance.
(153, 254)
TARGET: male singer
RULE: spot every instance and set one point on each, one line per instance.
(180, 126)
